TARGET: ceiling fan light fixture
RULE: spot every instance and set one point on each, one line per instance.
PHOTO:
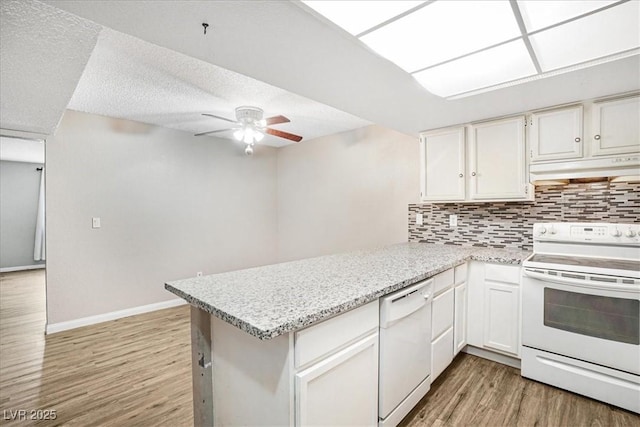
(238, 134)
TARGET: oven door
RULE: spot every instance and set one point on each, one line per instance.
(569, 314)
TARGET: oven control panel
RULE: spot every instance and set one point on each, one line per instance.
(627, 234)
(593, 231)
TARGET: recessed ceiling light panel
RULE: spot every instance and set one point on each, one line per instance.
(541, 14)
(609, 32)
(358, 16)
(443, 30)
(510, 61)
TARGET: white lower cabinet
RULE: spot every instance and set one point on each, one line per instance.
(442, 322)
(493, 310)
(460, 318)
(326, 374)
(441, 353)
(442, 313)
(501, 325)
(341, 389)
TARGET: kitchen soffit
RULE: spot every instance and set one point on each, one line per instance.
(461, 48)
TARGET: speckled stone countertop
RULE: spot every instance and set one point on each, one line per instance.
(275, 299)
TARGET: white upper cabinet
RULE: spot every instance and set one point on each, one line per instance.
(616, 126)
(497, 162)
(490, 166)
(556, 134)
(443, 164)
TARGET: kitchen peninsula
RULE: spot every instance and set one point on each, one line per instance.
(267, 328)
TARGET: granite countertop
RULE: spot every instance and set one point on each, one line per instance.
(275, 299)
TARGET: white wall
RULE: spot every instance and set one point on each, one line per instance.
(170, 205)
(346, 191)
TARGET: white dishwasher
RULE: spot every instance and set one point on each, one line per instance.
(405, 351)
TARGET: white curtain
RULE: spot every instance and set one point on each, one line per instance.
(38, 251)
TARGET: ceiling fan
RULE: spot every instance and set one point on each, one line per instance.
(250, 127)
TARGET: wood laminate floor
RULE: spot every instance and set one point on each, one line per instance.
(136, 372)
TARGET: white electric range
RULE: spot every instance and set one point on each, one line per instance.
(581, 310)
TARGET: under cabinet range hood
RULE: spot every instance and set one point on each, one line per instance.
(627, 166)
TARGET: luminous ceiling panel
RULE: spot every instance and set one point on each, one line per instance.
(493, 66)
(358, 16)
(541, 14)
(443, 30)
(604, 33)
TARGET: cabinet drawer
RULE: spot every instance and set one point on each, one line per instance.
(442, 313)
(441, 354)
(502, 273)
(329, 335)
(442, 281)
(460, 274)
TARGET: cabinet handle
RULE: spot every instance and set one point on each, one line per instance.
(596, 137)
(460, 175)
(578, 139)
(473, 174)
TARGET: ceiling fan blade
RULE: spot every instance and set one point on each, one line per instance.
(213, 131)
(285, 135)
(276, 120)
(218, 117)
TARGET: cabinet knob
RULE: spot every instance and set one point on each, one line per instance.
(577, 139)
(596, 137)
(473, 174)
(460, 175)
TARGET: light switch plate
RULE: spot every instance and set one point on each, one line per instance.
(453, 220)
(95, 222)
(419, 219)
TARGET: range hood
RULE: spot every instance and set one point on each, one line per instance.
(627, 166)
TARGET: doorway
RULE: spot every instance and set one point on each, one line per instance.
(22, 230)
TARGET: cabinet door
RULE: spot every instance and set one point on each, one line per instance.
(616, 126)
(341, 389)
(460, 318)
(442, 313)
(441, 353)
(501, 322)
(497, 160)
(556, 134)
(475, 304)
(442, 165)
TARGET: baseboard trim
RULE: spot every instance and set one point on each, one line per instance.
(22, 268)
(493, 356)
(92, 320)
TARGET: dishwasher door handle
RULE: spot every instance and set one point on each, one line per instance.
(404, 303)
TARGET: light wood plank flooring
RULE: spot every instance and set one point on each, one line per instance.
(136, 372)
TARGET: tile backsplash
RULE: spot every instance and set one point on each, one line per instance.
(510, 224)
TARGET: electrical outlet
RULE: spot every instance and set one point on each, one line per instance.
(419, 219)
(95, 222)
(453, 220)
(199, 274)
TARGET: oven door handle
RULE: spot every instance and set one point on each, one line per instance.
(583, 283)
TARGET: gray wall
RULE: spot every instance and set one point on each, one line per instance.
(19, 192)
(170, 204)
(346, 191)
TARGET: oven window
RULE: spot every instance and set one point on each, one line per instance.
(615, 319)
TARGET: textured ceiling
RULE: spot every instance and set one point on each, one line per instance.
(43, 51)
(283, 44)
(133, 79)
